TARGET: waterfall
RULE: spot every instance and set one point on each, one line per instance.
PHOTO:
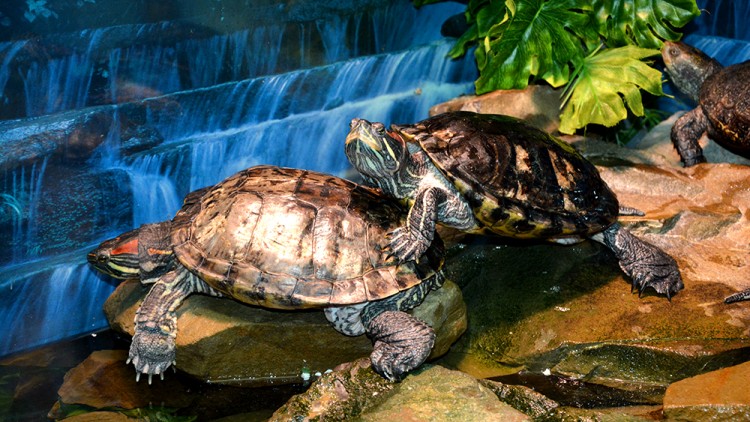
(56, 303)
(216, 106)
(130, 62)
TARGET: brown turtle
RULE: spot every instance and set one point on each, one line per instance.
(285, 239)
(484, 173)
(723, 98)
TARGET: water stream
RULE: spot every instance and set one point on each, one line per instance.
(210, 118)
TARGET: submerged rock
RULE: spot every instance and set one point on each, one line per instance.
(103, 381)
(223, 341)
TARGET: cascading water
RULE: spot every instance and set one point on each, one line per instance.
(202, 131)
(99, 68)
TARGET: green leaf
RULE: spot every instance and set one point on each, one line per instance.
(644, 23)
(539, 39)
(606, 83)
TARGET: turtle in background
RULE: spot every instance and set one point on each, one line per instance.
(483, 173)
(723, 98)
(284, 239)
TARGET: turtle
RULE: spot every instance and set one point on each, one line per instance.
(280, 238)
(495, 174)
(723, 98)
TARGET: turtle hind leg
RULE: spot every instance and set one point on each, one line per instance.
(738, 297)
(401, 343)
(685, 134)
(644, 263)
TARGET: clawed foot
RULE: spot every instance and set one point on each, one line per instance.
(401, 343)
(152, 352)
(652, 267)
(644, 263)
(407, 245)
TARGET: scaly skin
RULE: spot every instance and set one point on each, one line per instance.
(686, 132)
(738, 297)
(401, 343)
(152, 350)
(644, 263)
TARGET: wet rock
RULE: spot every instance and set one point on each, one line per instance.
(430, 393)
(569, 310)
(721, 395)
(104, 386)
(104, 381)
(99, 416)
(538, 104)
(224, 341)
(71, 137)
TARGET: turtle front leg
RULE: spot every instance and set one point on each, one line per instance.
(738, 297)
(644, 263)
(686, 132)
(412, 240)
(152, 350)
(401, 343)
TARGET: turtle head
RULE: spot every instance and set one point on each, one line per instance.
(688, 67)
(141, 253)
(117, 257)
(377, 154)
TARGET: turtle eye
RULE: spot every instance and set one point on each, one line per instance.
(102, 258)
(379, 127)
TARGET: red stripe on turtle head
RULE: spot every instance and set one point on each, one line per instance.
(129, 246)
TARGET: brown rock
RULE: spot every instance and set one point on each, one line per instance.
(104, 381)
(721, 395)
(221, 340)
(537, 104)
(99, 417)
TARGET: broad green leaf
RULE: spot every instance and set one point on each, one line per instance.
(607, 82)
(541, 39)
(644, 23)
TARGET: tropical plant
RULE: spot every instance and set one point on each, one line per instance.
(597, 49)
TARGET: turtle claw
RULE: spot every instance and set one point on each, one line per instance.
(152, 352)
(645, 264)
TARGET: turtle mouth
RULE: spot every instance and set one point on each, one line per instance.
(372, 150)
(361, 130)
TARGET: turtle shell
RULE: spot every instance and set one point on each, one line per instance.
(520, 181)
(725, 98)
(287, 238)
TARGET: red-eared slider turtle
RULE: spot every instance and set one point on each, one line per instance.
(284, 239)
(487, 173)
(723, 97)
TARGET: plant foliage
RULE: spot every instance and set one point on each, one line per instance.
(558, 41)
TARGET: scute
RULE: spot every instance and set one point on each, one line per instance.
(520, 181)
(725, 98)
(288, 238)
